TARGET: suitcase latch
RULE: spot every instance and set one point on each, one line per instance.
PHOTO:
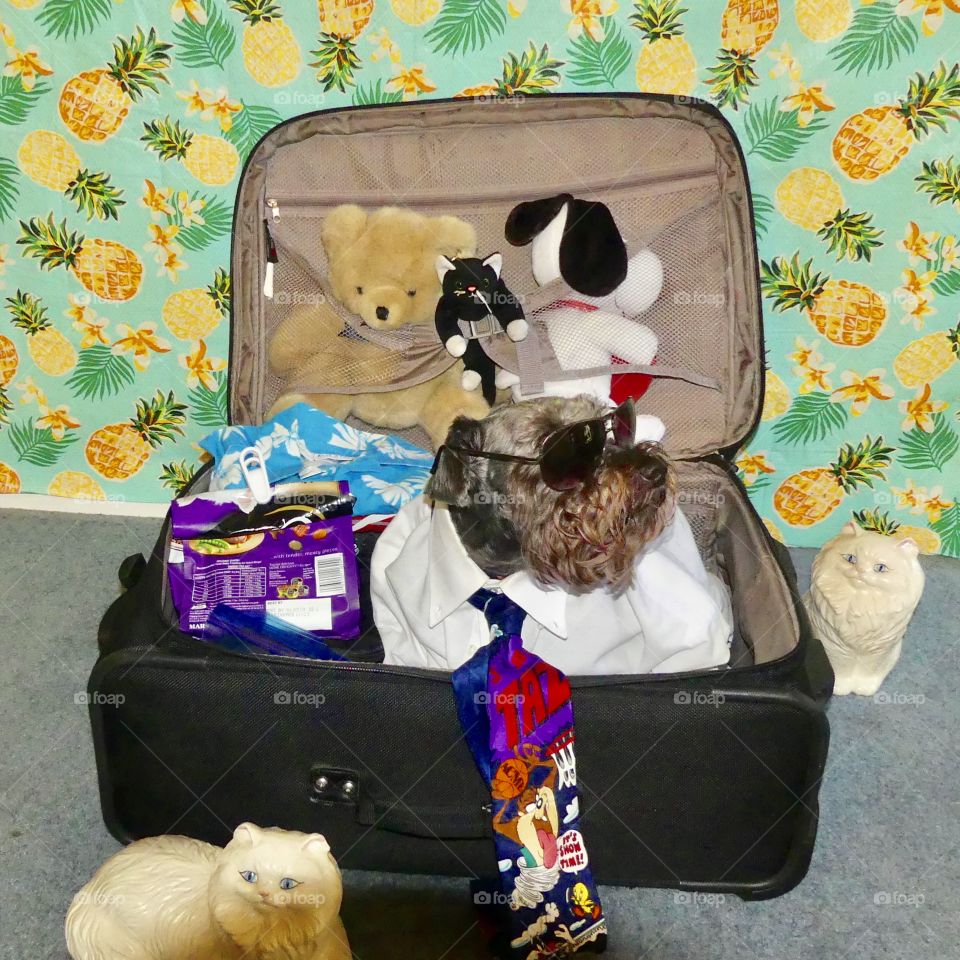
(334, 785)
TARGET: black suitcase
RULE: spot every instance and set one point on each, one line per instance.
(700, 781)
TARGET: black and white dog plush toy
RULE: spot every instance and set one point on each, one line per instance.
(472, 292)
(580, 242)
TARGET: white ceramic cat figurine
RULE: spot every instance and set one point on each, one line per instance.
(269, 894)
(864, 589)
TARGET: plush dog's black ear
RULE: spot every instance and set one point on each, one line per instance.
(451, 473)
(593, 256)
(528, 219)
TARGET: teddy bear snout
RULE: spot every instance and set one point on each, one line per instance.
(384, 307)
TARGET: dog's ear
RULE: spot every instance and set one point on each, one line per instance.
(451, 473)
(593, 256)
(528, 219)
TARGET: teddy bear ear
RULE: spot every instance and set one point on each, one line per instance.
(454, 237)
(343, 226)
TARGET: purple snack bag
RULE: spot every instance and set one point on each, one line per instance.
(293, 558)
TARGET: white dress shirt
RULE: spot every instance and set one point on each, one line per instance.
(674, 617)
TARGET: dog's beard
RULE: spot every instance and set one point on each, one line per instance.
(489, 538)
(590, 537)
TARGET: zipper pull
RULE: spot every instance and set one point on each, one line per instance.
(271, 259)
(274, 208)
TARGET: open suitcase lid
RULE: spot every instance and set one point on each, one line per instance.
(670, 170)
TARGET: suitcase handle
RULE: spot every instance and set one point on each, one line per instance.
(338, 785)
(433, 823)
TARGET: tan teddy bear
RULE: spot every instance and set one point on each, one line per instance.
(382, 267)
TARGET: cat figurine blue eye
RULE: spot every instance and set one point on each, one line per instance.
(880, 568)
(850, 557)
(288, 883)
(249, 876)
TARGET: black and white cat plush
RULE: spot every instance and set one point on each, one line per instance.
(473, 291)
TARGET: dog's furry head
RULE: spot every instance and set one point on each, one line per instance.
(509, 519)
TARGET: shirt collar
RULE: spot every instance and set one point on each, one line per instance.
(452, 577)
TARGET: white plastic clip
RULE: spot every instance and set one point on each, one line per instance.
(254, 471)
(268, 281)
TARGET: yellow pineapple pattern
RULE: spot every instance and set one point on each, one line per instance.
(48, 347)
(271, 53)
(870, 144)
(194, 314)
(9, 479)
(810, 496)
(812, 199)
(416, 12)
(341, 23)
(212, 160)
(119, 450)
(746, 27)
(94, 104)
(776, 398)
(76, 485)
(49, 159)
(666, 63)
(106, 268)
(926, 539)
(345, 18)
(9, 360)
(847, 313)
(928, 358)
(823, 20)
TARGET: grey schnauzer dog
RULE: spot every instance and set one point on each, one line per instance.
(581, 537)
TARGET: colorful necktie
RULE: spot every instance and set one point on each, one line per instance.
(517, 717)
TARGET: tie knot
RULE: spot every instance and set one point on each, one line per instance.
(501, 612)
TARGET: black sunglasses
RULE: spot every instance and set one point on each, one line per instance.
(569, 456)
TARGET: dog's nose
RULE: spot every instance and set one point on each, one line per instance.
(383, 313)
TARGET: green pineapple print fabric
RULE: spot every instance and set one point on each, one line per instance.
(125, 126)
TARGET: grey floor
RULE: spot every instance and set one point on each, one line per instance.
(885, 880)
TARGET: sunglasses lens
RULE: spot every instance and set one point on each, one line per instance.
(625, 424)
(571, 455)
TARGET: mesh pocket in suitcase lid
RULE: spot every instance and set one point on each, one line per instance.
(682, 225)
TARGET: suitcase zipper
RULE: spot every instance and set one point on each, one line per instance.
(671, 181)
(272, 257)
